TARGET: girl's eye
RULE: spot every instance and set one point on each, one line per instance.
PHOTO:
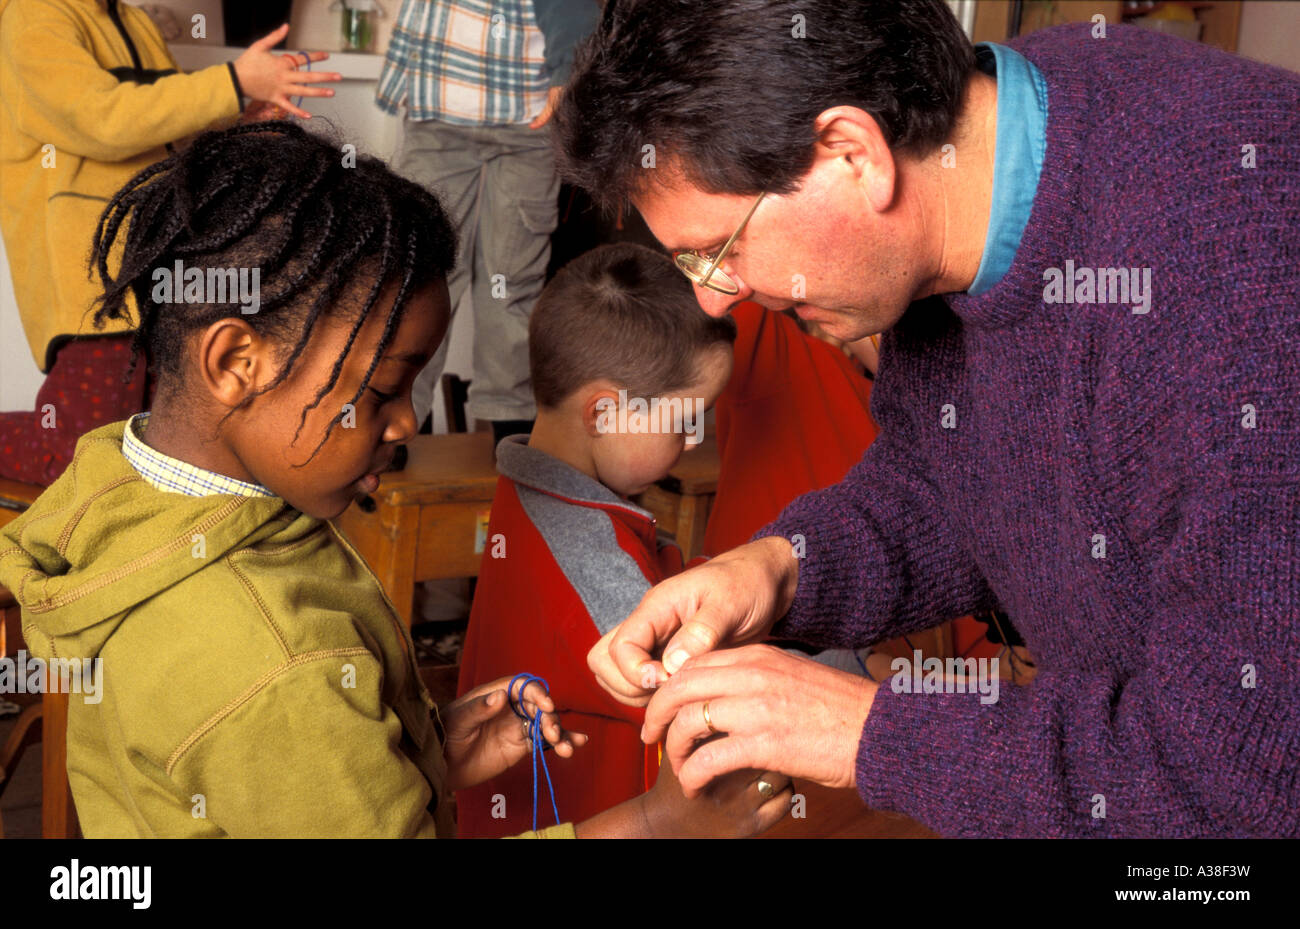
(383, 397)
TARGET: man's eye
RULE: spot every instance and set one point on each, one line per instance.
(383, 397)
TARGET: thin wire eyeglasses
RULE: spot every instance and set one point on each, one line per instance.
(704, 271)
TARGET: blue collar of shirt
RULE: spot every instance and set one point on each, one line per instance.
(1017, 157)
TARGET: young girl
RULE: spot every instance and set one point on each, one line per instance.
(256, 680)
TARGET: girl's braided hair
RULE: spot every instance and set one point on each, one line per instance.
(275, 197)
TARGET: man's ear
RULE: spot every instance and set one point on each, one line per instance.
(851, 138)
(234, 361)
(600, 412)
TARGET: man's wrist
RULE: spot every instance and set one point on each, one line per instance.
(784, 568)
(861, 715)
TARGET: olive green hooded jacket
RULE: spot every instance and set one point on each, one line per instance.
(256, 681)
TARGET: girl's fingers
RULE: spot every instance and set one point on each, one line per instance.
(312, 77)
(775, 810)
(570, 743)
(283, 102)
(296, 91)
(266, 41)
(535, 697)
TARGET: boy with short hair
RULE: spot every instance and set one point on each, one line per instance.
(624, 364)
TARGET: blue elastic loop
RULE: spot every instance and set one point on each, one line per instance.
(535, 736)
(863, 665)
(298, 102)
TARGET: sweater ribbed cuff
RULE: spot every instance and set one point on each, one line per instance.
(836, 571)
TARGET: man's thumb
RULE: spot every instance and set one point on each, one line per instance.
(694, 638)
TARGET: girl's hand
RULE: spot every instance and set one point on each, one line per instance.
(274, 78)
(484, 737)
(730, 807)
(260, 111)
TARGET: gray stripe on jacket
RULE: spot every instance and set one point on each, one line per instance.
(607, 579)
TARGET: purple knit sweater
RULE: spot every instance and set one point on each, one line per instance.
(1169, 669)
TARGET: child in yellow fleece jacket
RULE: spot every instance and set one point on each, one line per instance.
(256, 680)
(89, 96)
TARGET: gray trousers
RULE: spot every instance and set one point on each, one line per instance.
(498, 184)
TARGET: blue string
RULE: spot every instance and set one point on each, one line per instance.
(298, 102)
(536, 737)
(863, 665)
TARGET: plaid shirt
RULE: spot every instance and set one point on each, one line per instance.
(468, 62)
(173, 476)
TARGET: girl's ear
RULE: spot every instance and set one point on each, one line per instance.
(234, 361)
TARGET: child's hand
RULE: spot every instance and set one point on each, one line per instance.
(260, 111)
(484, 737)
(274, 78)
(730, 807)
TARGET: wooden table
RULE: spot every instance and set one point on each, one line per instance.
(429, 520)
(840, 814)
(682, 500)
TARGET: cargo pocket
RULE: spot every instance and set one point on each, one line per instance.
(526, 242)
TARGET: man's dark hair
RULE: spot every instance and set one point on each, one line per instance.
(621, 313)
(729, 93)
(275, 197)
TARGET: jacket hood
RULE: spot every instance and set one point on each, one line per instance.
(539, 471)
(101, 540)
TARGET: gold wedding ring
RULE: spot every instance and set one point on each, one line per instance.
(707, 721)
(765, 789)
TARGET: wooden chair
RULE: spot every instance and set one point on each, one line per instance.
(455, 394)
(26, 732)
(45, 722)
(15, 497)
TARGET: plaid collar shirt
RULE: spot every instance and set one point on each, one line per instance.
(467, 62)
(173, 476)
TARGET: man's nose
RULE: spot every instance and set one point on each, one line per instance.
(718, 304)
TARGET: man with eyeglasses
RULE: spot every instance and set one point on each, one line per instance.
(1093, 421)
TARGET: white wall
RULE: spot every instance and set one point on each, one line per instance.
(352, 111)
(1270, 32)
(19, 376)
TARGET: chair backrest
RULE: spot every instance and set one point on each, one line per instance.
(15, 497)
(455, 392)
(11, 634)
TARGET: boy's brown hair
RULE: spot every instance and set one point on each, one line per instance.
(621, 313)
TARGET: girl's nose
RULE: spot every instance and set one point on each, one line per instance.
(403, 427)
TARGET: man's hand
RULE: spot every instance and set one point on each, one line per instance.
(767, 710)
(484, 737)
(274, 78)
(732, 599)
(552, 101)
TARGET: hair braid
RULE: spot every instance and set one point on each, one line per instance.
(273, 197)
